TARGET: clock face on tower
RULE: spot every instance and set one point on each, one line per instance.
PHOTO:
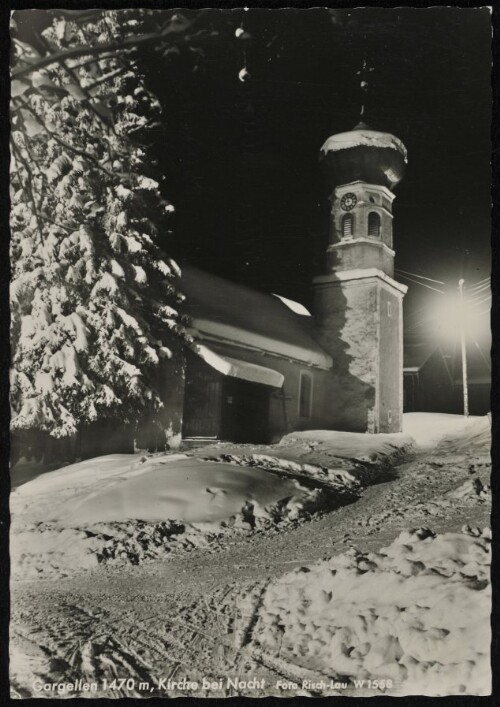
(348, 201)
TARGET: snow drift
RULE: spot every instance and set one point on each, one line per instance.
(416, 613)
(430, 429)
(421, 430)
(131, 508)
(361, 447)
(117, 488)
(346, 462)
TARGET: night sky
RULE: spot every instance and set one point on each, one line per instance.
(240, 159)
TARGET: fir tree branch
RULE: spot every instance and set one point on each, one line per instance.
(106, 77)
(103, 57)
(41, 172)
(130, 42)
(67, 145)
(44, 217)
(83, 153)
(88, 97)
(29, 188)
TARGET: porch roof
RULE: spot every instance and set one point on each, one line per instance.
(236, 368)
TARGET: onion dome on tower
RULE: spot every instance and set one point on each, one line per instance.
(362, 168)
(366, 155)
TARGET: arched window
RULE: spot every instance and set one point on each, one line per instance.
(373, 225)
(347, 226)
(305, 394)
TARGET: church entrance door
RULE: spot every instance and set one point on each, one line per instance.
(223, 407)
(245, 411)
(202, 400)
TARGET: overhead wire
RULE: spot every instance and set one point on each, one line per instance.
(479, 288)
(480, 293)
(430, 279)
(475, 289)
(422, 284)
(481, 285)
(477, 296)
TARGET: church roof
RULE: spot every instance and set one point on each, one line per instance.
(224, 311)
(416, 355)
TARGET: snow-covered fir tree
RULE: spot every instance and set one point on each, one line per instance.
(94, 300)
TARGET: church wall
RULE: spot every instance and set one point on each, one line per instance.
(390, 409)
(347, 328)
(321, 407)
(353, 256)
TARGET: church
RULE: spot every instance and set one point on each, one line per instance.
(261, 366)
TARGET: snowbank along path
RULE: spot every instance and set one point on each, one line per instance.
(370, 607)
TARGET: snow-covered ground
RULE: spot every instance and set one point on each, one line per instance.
(407, 607)
(129, 508)
(119, 488)
(132, 508)
(414, 616)
(429, 429)
(27, 469)
(354, 445)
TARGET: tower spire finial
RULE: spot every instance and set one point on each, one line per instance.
(363, 73)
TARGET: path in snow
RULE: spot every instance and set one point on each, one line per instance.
(201, 617)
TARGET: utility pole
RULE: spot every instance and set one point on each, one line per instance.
(463, 346)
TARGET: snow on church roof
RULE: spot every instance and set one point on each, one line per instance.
(228, 312)
(294, 306)
(364, 137)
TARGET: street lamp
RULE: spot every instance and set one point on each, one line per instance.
(462, 318)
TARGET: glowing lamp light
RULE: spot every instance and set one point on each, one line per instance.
(462, 318)
(454, 314)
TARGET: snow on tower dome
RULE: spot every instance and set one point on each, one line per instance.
(363, 136)
(366, 155)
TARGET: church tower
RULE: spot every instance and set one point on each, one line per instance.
(358, 304)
